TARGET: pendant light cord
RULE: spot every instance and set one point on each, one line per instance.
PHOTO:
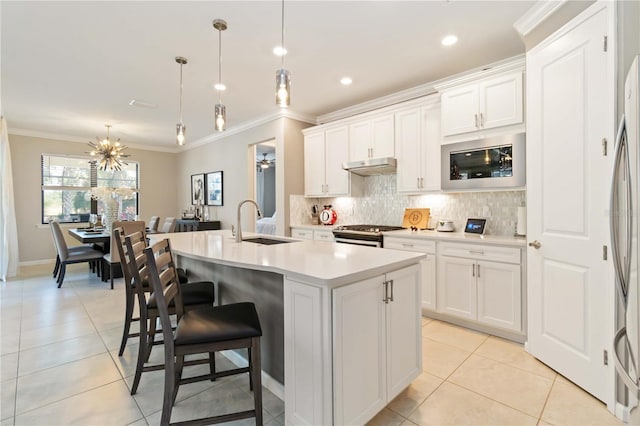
(282, 40)
(219, 64)
(181, 93)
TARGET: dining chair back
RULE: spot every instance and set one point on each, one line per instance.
(153, 223)
(112, 258)
(67, 256)
(201, 331)
(169, 225)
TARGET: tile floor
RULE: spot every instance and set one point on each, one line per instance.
(60, 366)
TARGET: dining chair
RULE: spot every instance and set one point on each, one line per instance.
(68, 256)
(153, 224)
(169, 225)
(195, 295)
(205, 330)
(112, 258)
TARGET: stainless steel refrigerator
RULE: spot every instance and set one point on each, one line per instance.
(624, 237)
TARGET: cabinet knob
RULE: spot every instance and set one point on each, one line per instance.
(535, 244)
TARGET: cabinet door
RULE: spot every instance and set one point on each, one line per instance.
(501, 101)
(382, 134)
(336, 152)
(359, 347)
(429, 282)
(323, 235)
(457, 287)
(460, 110)
(431, 143)
(499, 296)
(360, 141)
(408, 151)
(314, 164)
(404, 329)
(303, 234)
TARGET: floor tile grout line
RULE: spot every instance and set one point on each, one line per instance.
(546, 400)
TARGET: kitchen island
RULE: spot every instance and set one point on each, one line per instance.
(341, 323)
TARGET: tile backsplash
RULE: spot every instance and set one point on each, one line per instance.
(382, 205)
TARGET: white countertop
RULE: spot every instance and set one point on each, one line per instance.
(460, 237)
(317, 263)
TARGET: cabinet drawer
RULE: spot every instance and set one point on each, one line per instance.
(410, 244)
(323, 235)
(303, 234)
(481, 252)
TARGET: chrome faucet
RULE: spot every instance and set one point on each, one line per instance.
(239, 226)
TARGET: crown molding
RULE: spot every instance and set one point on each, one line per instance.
(76, 139)
(537, 14)
(283, 113)
(515, 63)
(420, 91)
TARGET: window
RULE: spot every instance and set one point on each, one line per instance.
(67, 181)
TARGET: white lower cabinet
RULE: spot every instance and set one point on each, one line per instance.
(428, 265)
(350, 350)
(476, 287)
(376, 343)
(312, 234)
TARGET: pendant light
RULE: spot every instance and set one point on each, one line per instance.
(180, 128)
(283, 77)
(220, 111)
(110, 153)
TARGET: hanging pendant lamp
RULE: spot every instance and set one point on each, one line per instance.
(220, 111)
(110, 153)
(283, 77)
(180, 128)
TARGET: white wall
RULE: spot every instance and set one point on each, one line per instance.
(157, 189)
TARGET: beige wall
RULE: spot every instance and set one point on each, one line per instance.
(234, 156)
(158, 189)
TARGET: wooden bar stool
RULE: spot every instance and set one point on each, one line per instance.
(205, 330)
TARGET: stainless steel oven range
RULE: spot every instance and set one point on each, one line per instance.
(363, 235)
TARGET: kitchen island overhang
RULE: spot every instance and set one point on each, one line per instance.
(293, 286)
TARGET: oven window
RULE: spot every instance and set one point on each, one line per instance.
(481, 163)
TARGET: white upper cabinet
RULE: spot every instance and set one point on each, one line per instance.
(418, 149)
(373, 138)
(483, 105)
(324, 153)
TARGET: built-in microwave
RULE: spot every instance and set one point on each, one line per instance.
(496, 162)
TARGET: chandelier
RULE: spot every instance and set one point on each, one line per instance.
(109, 153)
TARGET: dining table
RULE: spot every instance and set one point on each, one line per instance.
(89, 235)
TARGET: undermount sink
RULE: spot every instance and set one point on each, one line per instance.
(266, 241)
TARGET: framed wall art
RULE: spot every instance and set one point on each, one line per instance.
(197, 189)
(214, 189)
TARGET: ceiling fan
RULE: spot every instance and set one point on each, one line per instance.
(264, 163)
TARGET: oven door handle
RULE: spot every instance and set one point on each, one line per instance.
(357, 242)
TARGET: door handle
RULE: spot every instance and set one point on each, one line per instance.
(385, 299)
(473, 270)
(476, 115)
(478, 271)
(391, 298)
(481, 120)
(535, 244)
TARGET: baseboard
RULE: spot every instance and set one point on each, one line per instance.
(622, 412)
(36, 262)
(267, 381)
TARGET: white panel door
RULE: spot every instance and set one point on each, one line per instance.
(314, 164)
(501, 101)
(382, 144)
(359, 141)
(499, 294)
(359, 347)
(408, 150)
(336, 153)
(569, 111)
(460, 110)
(429, 282)
(457, 287)
(404, 330)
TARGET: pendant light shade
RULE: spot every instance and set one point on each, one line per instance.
(220, 111)
(110, 154)
(283, 77)
(181, 129)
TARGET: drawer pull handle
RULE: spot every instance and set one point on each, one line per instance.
(476, 252)
(407, 245)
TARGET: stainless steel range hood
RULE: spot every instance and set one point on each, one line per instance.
(372, 166)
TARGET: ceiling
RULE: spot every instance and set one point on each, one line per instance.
(69, 68)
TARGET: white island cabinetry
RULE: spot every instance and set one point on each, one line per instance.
(376, 343)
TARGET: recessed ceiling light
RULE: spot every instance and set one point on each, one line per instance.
(279, 51)
(345, 81)
(220, 87)
(449, 40)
